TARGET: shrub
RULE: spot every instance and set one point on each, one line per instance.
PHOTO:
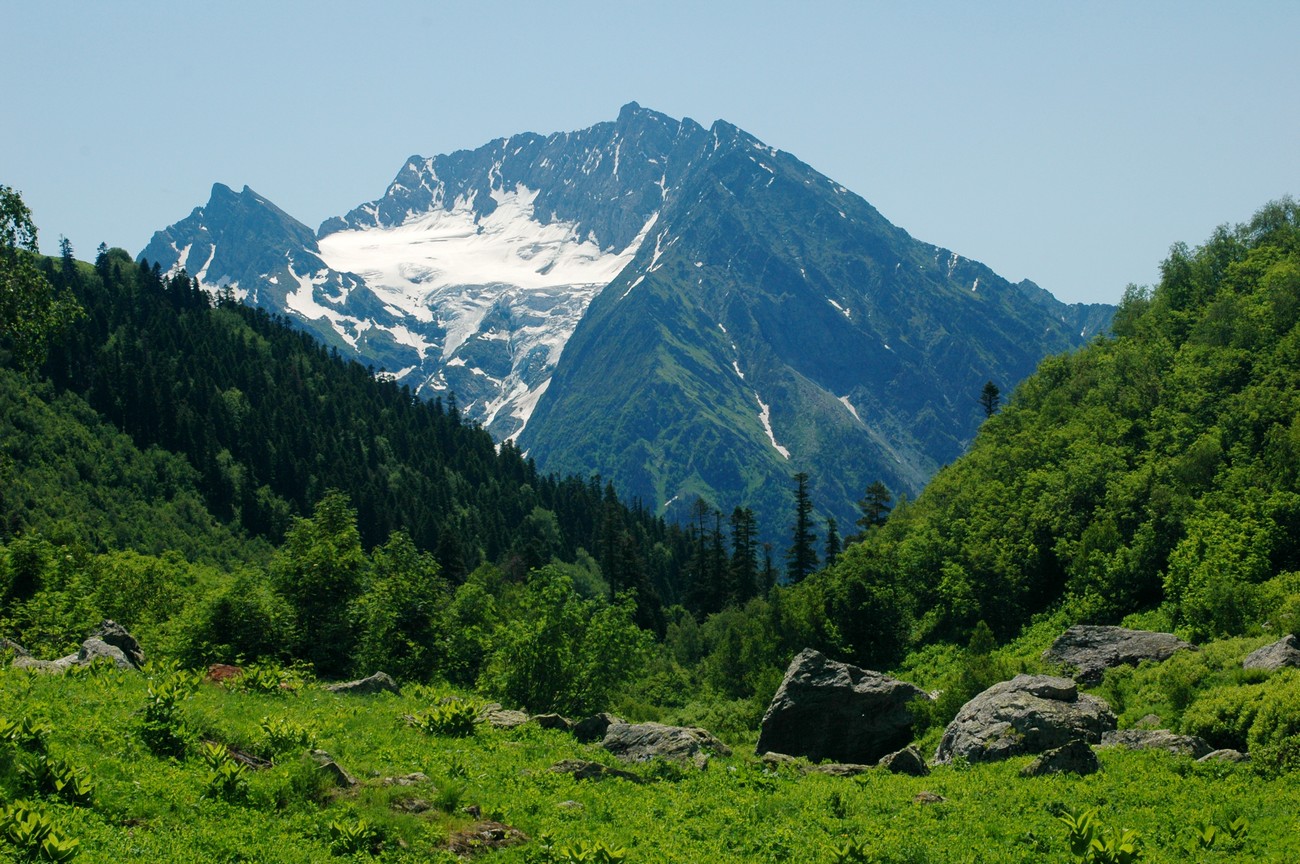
(1274, 737)
(1224, 716)
(34, 834)
(454, 717)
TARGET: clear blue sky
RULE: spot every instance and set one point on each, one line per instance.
(1068, 143)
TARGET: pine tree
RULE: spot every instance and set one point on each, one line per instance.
(832, 541)
(875, 505)
(801, 559)
(990, 399)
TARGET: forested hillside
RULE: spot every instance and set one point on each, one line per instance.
(1155, 470)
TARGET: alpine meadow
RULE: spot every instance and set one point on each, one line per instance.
(266, 598)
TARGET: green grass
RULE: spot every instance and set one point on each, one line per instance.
(146, 808)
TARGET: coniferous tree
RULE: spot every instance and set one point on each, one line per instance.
(832, 541)
(990, 399)
(744, 556)
(875, 506)
(801, 559)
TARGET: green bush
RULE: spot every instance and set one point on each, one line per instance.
(454, 717)
(1274, 737)
(1224, 716)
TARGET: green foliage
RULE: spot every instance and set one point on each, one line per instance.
(320, 571)
(33, 833)
(31, 312)
(162, 726)
(1274, 737)
(1090, 840)
(281, 735)
(452, 717)
(562, 653)
(350, 837)
(226, 776)
(399, 614)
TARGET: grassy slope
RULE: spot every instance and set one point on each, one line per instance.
(151, 809)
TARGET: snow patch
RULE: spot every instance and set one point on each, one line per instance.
(765, 417)
(843, 311)
(844, 400)
(736, 366)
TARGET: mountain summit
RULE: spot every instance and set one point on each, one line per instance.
(685, 311)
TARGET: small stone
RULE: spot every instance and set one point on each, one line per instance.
(925, 797)
(1225, 755)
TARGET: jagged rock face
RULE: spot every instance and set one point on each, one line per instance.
(1092, 649)
(685, 311)
(1282, 654)
(1028, 714)
(1157, 739)
(829, 710)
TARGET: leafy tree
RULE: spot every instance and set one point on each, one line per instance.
(801, 558)
(563, 653)
(31, 313)
(320, 570)
(398, 617)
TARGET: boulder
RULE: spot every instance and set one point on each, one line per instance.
(641, 742)
(380, 682)
(331, 769)
(594, 728)
(581, 769)
(1157, 739)
(1076, 757)
(554, 721)
(1092, 649)
(97, 649)
(117, 636)
(1028, 714)
(906, 761)
(1282, 653)
(503, 718)
(829, 710)
(483, 837)
(1225, 756)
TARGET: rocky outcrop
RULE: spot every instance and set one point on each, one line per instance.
(1076, 757)
(1028, 714)
(110, 642)
(1157, 739)
(554, 721)
(641, 742)
(380, 682)
(116, 635)
(1283, 653)
(906, 761)
(829, 710)
(1092, 649)
(97, 649)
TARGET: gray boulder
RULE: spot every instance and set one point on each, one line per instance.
(1282, 653)
(593, 728)
(1092, 649)
(1028, 714)
(1076, 757)
(1225, 755)
(503, 718)
(641, 742)
(829, 710)
(380, 682)
(117, 636)
(906, 761)
(332, 770)
(97, 649)
(1157, 739)
(838, 769)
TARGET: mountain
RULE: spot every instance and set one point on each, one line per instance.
(685, 311)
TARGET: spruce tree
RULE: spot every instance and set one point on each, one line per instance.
(801, 559)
